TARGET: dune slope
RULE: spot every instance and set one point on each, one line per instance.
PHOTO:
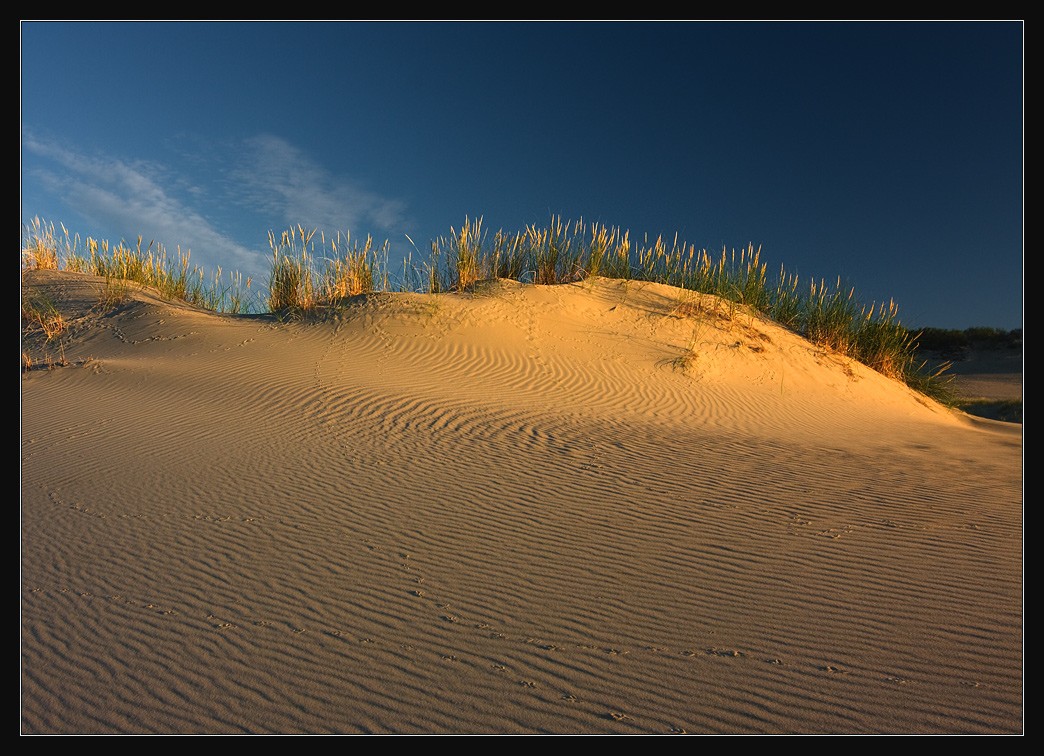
(607, 507)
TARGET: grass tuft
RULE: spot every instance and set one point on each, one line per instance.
(43, 248)
(304, 279)
(42, 317)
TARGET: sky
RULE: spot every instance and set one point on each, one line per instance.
(890, 155)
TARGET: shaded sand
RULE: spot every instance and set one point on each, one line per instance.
(593, 508)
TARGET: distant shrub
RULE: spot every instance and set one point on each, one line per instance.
(953, 340)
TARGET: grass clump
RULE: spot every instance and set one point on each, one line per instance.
(149, 267)
(172, 275)
(43, 248)
(465, 252)
(303, 278)
(290, 285)
(41, 315)
(41, 320)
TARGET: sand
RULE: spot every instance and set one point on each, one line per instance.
(603, 507)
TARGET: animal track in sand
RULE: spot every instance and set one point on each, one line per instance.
(730, 652)
(714, 651)
(836, 532)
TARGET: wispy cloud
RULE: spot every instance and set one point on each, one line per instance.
(264, 179)
(292, 188)
(137, 196)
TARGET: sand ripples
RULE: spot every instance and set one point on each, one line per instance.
(396, 523)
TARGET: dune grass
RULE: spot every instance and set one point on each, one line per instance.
(42, 320)
(41, 315)
(310, 273)
(172, 275)
(306, 278)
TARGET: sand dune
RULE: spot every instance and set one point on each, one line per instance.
(605, 507)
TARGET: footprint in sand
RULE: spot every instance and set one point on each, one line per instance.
(727, 652)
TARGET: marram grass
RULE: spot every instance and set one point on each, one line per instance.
(171, 275)
(310, 273)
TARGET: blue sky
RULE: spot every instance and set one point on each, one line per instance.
(890, 154)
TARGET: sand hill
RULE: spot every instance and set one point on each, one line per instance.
(606, 507)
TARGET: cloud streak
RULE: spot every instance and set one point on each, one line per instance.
(136, 196)
(286, 184)
(263, 178)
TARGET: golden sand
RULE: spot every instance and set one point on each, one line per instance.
(604, 507)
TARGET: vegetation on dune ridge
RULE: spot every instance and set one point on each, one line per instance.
(310, 273)
(44, 248)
